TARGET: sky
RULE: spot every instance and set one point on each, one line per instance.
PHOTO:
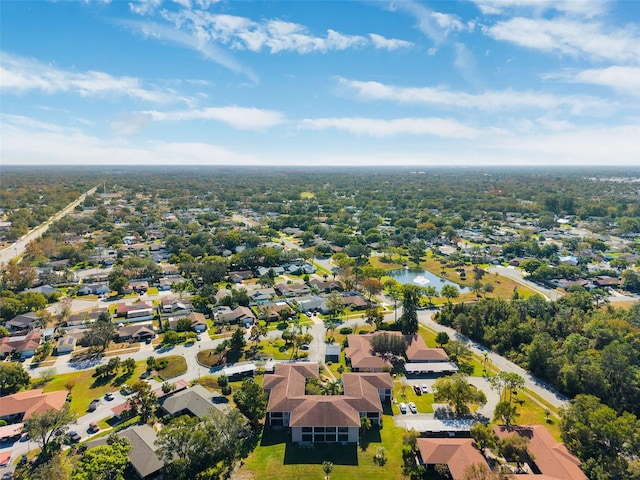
(348, 83)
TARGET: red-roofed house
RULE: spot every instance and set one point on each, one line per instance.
(324, 418)
(20, 406)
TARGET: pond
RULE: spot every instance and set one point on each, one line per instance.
(423, 278)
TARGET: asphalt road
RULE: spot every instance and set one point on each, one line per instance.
(18, 248)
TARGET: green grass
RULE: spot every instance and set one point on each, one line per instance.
(276, 458)
(423, 402)
(177, 366)
(86, 387)
(152, 291)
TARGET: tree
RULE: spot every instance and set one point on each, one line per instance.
(442, 338)
(372, 286)
(118, 282)
(13, 377)
(505, 412)
(387, 343)
(484, 436)
(143, 400)
(251, 400)
(101, 332)
(335, 304)
(327, 468)
(430, 291)
(457, 393)
(476, 287)
(129, 366)
(190, 446)
(237, 342)
(257, 332)
(506, 383)
(410, 302)
(515, 448)
(450, 292)
(479, 471)
(104, 462)
(374, 316)
(48, 428)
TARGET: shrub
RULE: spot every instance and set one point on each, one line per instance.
(346, 330)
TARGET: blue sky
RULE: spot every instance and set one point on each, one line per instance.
(480, 82)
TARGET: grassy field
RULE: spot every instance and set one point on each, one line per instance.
(86, 387)
(278, 459)
(177, 366)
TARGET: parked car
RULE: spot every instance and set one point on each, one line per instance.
(94, 404)
(198, 337)
(74, 437)
(416, 388)
(109, 396)
(93, 427)
(424, 388)
(126, 389)
(402, 407)
(412, 407)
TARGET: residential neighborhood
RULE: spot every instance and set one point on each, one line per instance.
(312, 344)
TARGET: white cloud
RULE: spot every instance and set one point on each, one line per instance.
(622, 79)
(388, 43)
(495, 100)
(32, 146)
(435, 25)
(569, 37)
(18, 74)
(587, 8)
(440, 127)
(238, 117)
(144, 7)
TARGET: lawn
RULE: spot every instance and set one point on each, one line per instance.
(86, 387)
(276, 458)
(176, 365)
(423, 401)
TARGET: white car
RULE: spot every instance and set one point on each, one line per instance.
(424, 388)
(402, 407)
(412, 407)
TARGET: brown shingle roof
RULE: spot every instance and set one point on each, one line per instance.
(32, 401)
(457, 453)
(552, 457)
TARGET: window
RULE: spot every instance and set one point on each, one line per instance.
(330, 437)
(319, 429)
(276, 414)
(307, 437)
(319, 438)
(343, 429)
(307, 429)
(330, 429)
(343, 437)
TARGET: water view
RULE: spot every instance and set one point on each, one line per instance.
(423, 278)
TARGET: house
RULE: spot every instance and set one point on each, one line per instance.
(135, 333)
(324, 418)
(143, 455)
(19, 407)
(44, 289)
(98, 288)
(198, 322)
(139, 286)
(606, 282)
(262, 295)
(66, 344)
(420, 358)
(325, 285)
(355, 301)
(85, 317)
(551, 458)
(273, 311)
(135, 313)
(240, 275)
(170, 305)
(238, 315)
(267, 271)
(311, 303)
(293, 289)
(457, 454)
(196, 401)
(24, 345)
(24, 321)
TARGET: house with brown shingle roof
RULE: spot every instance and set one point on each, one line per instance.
(420, 358)
(458, 454)
(324, 418)
(550, 457)
(18, 407)
(25, 345)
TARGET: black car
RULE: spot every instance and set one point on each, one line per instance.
(74, 437)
